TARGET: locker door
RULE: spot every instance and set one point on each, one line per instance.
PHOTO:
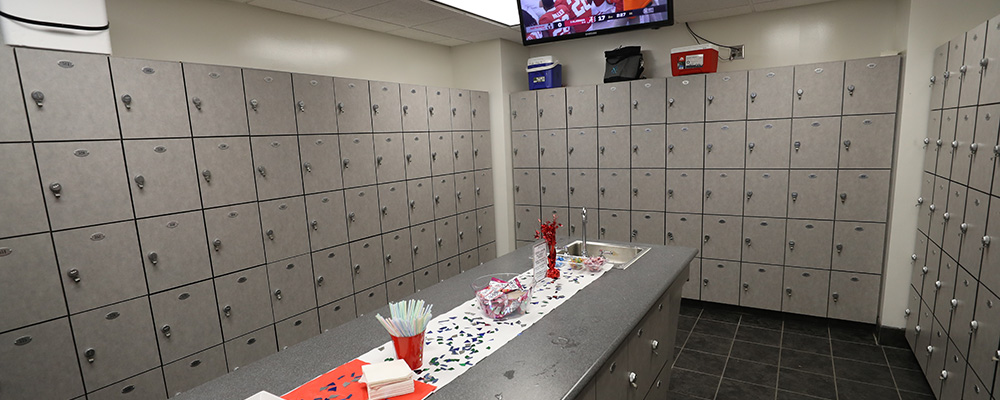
(973, 229)
(13, 121)
(815, 143)
(684, 191)
(417, 149)
(938, 80)
(439, 109)
(724, 192)
(720, 281)
(763, 240)
(469, 260)
(726, 98)
(991, 76)
(581, 106)
(964, 310)
(724, 144)
(84, 183)
(115, 342)
(333, 274)
(912, 315)
(100, 265)
(582, 151)
(953, 219)
(583, 188)
(648, 186)
(482, 150)
(414, 107)
(480, 111)
(555, 189)
(424, 248)
(615, 189)
(286, 231)
(234, 238)
(327, 218)
(872, 85)
(29, 282)
(486, 225)
(947, 144)
(151, 95)
(467, 236)
(613, 147)
(611, 381)
(368, 264)
(163, 175)
(813, 194)
(771, 92)
(931, 148)
(291, 286)
(68, 95)
(390, 165)
(553, 142)
(649, 101)
(464, 154)
(526, 187)
(270, 105)
(986, 137)
(614, 225)
(362, 212)
(971, 70)
(216, 101)
(38, 353)
(768, 143)
(987, 332)
(766, 193)
(858, 247)
(931, 275)
(335, 314)
(399, 289)
(802, 287)
(314, 104)
(648, 143)
(955, 367)
(854, 297)
(225, 170)
(613, 104)
(254, 346)
(936, 356)
(175, 251)
(863, 195)
(953, 74)
(444, 195)
(320, 163)
(421, 200)
(761, 287)
(385, 107)
(818, 89)
(685, 145)
(938, 205)
(148, 385)
(685, 100)
(442, 153)
(398, 253)
(425, 278)
(974, 387)
(25, 212)
(525, 222)
(684, 230)
(648, 227)
(919, 262)
(392, 206)
(297, 329)
(357, 154)
(722, 237)
(185, 320)
(484, 188)
(487, 253)
(808, 244)
(692, 287)
(447, 237)
(276, 160)
(991, 252)
(523, 111)
(867, 141)
(961, 147)
(551, 103)
(353, 105)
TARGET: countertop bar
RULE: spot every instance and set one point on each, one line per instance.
(533, 366)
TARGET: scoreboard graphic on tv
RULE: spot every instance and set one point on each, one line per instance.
(547, 20)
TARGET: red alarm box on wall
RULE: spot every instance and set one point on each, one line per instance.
(700, 59)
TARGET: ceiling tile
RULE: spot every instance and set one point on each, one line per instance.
(365, 23)
(406, 12)
(419, 35)
(294, 7)
(345, 5)
(457, 26)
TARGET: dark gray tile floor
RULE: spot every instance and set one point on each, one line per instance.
(726, 352)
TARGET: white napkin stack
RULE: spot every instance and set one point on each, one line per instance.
(388, 379)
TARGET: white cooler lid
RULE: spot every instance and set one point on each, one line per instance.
(541, 60)
(707, 46)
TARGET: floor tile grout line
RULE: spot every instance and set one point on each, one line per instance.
(728, 356)
(781, 341)
(836, 390)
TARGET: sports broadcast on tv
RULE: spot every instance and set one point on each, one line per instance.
(548, 20)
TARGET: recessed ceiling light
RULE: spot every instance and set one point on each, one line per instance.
(504, 12)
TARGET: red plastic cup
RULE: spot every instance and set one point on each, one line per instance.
(410, 349)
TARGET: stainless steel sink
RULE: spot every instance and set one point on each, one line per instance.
(621, 256)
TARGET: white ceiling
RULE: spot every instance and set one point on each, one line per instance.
(430, 22)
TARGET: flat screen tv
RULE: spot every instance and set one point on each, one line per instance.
(552, 20)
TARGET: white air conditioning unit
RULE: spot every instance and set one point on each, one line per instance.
(73, 25)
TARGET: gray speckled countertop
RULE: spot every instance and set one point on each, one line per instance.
(595, 320)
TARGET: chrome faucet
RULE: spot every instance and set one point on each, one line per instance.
(583, 251)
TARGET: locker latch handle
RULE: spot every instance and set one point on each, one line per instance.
(320, 280)
(196, 101)
(461, 235)
(984, 63)
(795, 196)
(635, 104)
(340, 108)
(413, 204)
(140, 181)
(454, 112)
(458, 195)
(746, 287)
(635, 191)
(747, 241)
(166, 330)
(572, 190)
(409, 158)
(541, 111)
(635, 233)
(964, 69)
(986, 241)
(709, 147)
(791, 245)
(479, 229)
(456, 152)
(711, 99)
(570, 110)
(933, 80)
(954, 304)
(270, 234)
(39, 98)
(974, 148)
(90, 354)
(705, 282)
(440, 242)
(631, 380)
(707, 237)
(56, 189)
(315, 225)
(228, 311)
(708, 194)
(800, 92)
(127, 100)
(602, 107)
(385, 210)
(670, 148)
(431, 111)
(788, 291)
(996, 357)
(277, 294)
(670, 192)
(850, 89)
(602, 191)
(964, 228)
(416, 249)
(434, 155)
(253, 104)
(840, 247)
(473, 113)
(378, 160)
(836, 296)
(153, 257)
(751, 145)
(635, 149)
(207, 175)
(437, 199)
(602, 149)
(350, 217)
(603, 231)
(670, 236)
(512, 113)
(749, 194)
(847, 145)
(973, 326)
(347, 162)
(262, 171)
(753, 97)
(74, 274)
(357, 269)
(308, 167)
(843, 197)
(217, 244)
(375, 109)
(302, 106)
(944, 375)
(798, 145)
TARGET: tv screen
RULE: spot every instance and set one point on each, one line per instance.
(551, 20)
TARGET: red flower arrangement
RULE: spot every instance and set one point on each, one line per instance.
(548, 232)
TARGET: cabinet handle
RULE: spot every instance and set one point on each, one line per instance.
(454, 112)
(308, 167)
(749, 194)
(127, 100)
(357, 269)
(996, 356)
(385, 210)
(320, 280)
(262, 171)
(340, 108)
(602, 107)
(166, 330)
(798, 145)
(350, 217)
(746, 287)
(541, 111)
(253, 104)
(654, 344)
(302, 106)
(431, 111)
(413, 204)
(791, 245)
(375, 109)
(954, 303)
(602, 149)
(228, 311)
(315, 225)
(196, 101)
(705, 281)
(90, 354)
(847, 145)
(635, 233)
(840, 248)
(986, 241)
(788, 291)
(944, 375)
(153, 257)
(635, 192)
(440, 242)
(708, 194)
(850, 89)
(753, 97)
(800, 92)
(217, 244)
(709, 147)
(836, 296)
(751, 145)
(378, 160)
(747, 241)
(270, 234)
(635, 104)
(707, 237)
(569, 110)
(74, 274)
(207, 174)
(277, 294)
(843, 197)
(635, 149)
(56, 189)
(140, 181)
(795, 196)
(973, 326)
(39, 98)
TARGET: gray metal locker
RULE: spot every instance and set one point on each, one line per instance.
(425, 278)
(863, 195)
(413, 100)
(371, 300)
(575, 223)
(946, 144)
(919, 262)
(151, 96)
(583, 188)
(291, 286)
(486, 227)
(761, 286)
(766, 193)
(468, 237)
(445, 203)
(720, 281)
(933, 267)
(320, 163)
(353, 102)
(648, 145)
(398, 253)
(449, 268)
(961, 149)
(986, 333)
(867, 141)
(399, 289)
(185, 321)
(14, 125)
(692, 287)
(386, 108)
(581, 106)
(684, 191)
(954, 217)
(582, 150)
(285, 228)
(987, 126)
(770, 93)
(551, 106)
(368, 264)
(615, 189)
(270, 105)
(649, 101)
(465, 192)
(297, 329)
(953, 74)
(724, 144)
(216, 101)
(614, 225)
(487, 253)
(808, 243)
(276, 161)
(648, 186)
(801, 289)
(480, 111)
(244, 302)
(973, 230)
(872, 85)
(314, 104)
(974, 387)
(685, 99)
(421, 200)
(726, 96)
(254, 346)
(931, 147)
(25, 212)
(953, 375)
(768, 143)
(29, 286)
(523, 111)
(818, 89)
(912, 315)
(613, 104)
(468, 260)
(524, 146)
(335, 314)
(526, 187)
(858, 247)
(525, 222)
(613, 147)
(446, 231)
(115, 342)
(225, 171)
(148, 385)
(964, 309)
(443, 153)
(40, 353)
(424, 246)
(990, 271)
(562, 215)
(684, 230)
(991, 76)
(854, 297)
(175, 250)
(611, 380)
(100, 265)
(815, 143)
(438, 109)
(484, 188)
(554, 187)
(463, 150)
(163, 176)
(648, 227)
(390, 161)
(938, 77)
(937, 208)
(724, 192)
(357, 154)
(333, 274)
(84, 183)
(685, 146)
(972, 69)
(554, 143)
(482, 150)
(362, 212)
(393, 209)
(763, 240)
(722, 237)
(234, 238)
(417, 149)
(68, 95)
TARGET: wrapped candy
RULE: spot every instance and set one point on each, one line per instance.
(500, 299)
